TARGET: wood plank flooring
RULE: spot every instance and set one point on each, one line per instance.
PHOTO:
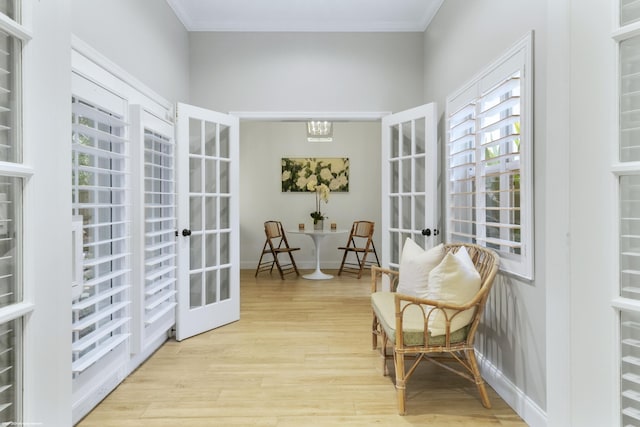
(299, 356)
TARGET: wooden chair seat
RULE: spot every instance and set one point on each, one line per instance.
(394, 312)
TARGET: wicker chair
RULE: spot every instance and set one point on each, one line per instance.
(275, 245)
(419, 344)
(360, 244)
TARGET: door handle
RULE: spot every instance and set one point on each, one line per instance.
(427, 232)
(186, 232)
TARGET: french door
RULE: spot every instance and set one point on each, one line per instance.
(208, 220)
(410, 205)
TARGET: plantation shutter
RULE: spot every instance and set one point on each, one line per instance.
(155, 205)
(462, 174)
(100, 198)
(489, 194)
(498, 150)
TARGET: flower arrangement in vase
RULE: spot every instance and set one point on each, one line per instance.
(322, 195)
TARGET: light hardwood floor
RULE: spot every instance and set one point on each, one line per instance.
(299, 356)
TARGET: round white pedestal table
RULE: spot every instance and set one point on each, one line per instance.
(317, 236)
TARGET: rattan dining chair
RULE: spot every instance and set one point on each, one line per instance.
(275, 245)
(358, 247)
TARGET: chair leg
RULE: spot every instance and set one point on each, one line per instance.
(277, 263)
(484, 396)
(293, 263)
(401, 386)
(374, 335)
(362, 263)
(344, 258)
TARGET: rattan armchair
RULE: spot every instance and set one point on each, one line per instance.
(417, 343)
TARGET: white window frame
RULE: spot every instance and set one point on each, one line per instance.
(518, 58)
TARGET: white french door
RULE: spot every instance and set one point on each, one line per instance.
(208, 220)
(410, 205)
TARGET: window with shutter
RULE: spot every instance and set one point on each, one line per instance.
(99, 186)
(13, 184)
(489, 182)
(160, 243)
(626, 170)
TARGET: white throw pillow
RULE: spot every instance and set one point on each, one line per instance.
(455, 280)
(415, 265)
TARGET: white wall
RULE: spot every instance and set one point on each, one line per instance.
(262, 146)
(143, 37)
(594, 370)
(47, 94)
(306, 71)
(463, 39)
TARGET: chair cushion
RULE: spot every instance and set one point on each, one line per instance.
(415, 266)
(383, 304)
(456, 281)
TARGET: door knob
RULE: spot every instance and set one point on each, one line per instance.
(186, 232)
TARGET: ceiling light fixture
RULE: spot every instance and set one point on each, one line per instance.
(319, 131)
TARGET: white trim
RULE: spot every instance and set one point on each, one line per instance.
(517, 399)
(14, 29)
(14, 311)
(304, 116)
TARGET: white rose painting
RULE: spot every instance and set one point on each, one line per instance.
(331, 171)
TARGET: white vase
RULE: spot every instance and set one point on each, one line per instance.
(318, 225)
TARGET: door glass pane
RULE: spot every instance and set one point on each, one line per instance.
(195, 290)
(195, 175)
(420, 212)
(225, 284)
(630, 236)
(629, 11)
(395, 248)
(225, 220)
(10, 236)
(395, 142)
(394, 177)
(420, 136)
(630, 100)
(195, 249)
(211, 141)
(195, 136)
(419, 174)
(394, 211)
(211, 176)
(225, 152)
(211, 257)
(406, 213)
(224, 177)
(211, 213)
(407, 174)
(406, 138)
(225, 249)
(211, 288)
(195, 211)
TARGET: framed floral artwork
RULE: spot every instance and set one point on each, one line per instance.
(330, 171)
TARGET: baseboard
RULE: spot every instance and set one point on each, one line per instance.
(304, 265)
(526, 408)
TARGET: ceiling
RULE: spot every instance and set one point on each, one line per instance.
(306, 15)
